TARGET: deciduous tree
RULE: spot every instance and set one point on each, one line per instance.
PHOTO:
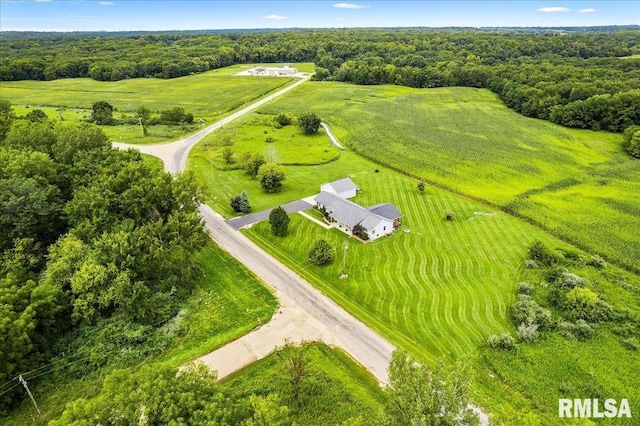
(102, 113)
(309, 123)
(270, 176)
(279, 221)
(420, 395)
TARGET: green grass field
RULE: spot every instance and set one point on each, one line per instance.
(576, 183)
(209, 96)
(256, 133)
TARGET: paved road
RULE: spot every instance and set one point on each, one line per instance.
(174, 155)
(325, 320)
(293, 207)
(304, 312)
(319, 315)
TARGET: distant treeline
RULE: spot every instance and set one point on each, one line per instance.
(584, 79)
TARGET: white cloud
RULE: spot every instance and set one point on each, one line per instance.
(586, 10)
(44, 1)
(553, 9)
(106, 3)
(275, 17)
(350, 6)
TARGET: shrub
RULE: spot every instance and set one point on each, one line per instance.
(582, 303)
(271, 176)
(176, 115)
(527, 311)
(269, 139)
(501, 341)
(581, 330)
(569, 280)
(321, 253)
(542, 254)
(252, 164)
(420, 187)
(235, 203)
(525, 288)
(630, 343)
(449, 215)
(284, 119)
(530, 264)
(528, 333)
(597, 262)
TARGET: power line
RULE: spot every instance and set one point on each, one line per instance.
(17, 384)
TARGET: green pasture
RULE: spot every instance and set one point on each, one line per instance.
(257, 133)
(228, 302)
(337, 387)
(466, 140)
(209, 96)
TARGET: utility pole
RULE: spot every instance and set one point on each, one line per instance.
(24, 383)
(344, 262)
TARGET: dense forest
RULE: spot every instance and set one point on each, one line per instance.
(585, 79)
(90, 235)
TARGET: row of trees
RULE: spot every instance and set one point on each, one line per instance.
(575, 79)
(88, 233)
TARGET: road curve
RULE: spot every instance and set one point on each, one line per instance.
(324, 319)
(174, 155)
(305, 313)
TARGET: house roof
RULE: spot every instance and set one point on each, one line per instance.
(351, 214)
(342, 210)
(342, 185)
(386, 210)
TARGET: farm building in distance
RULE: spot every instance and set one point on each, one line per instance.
(274, 71)
(368, 223)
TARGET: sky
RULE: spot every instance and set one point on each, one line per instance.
(150, 15)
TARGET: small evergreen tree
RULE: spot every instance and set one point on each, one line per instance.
(279, 221)
(421, 187)
(321, 253)
(243, 204)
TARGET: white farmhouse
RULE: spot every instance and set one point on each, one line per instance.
(344, 188)
(376, 221)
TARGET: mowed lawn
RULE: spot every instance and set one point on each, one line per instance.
(435, 287)
(576, 183)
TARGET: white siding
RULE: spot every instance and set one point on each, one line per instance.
(384, 227)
